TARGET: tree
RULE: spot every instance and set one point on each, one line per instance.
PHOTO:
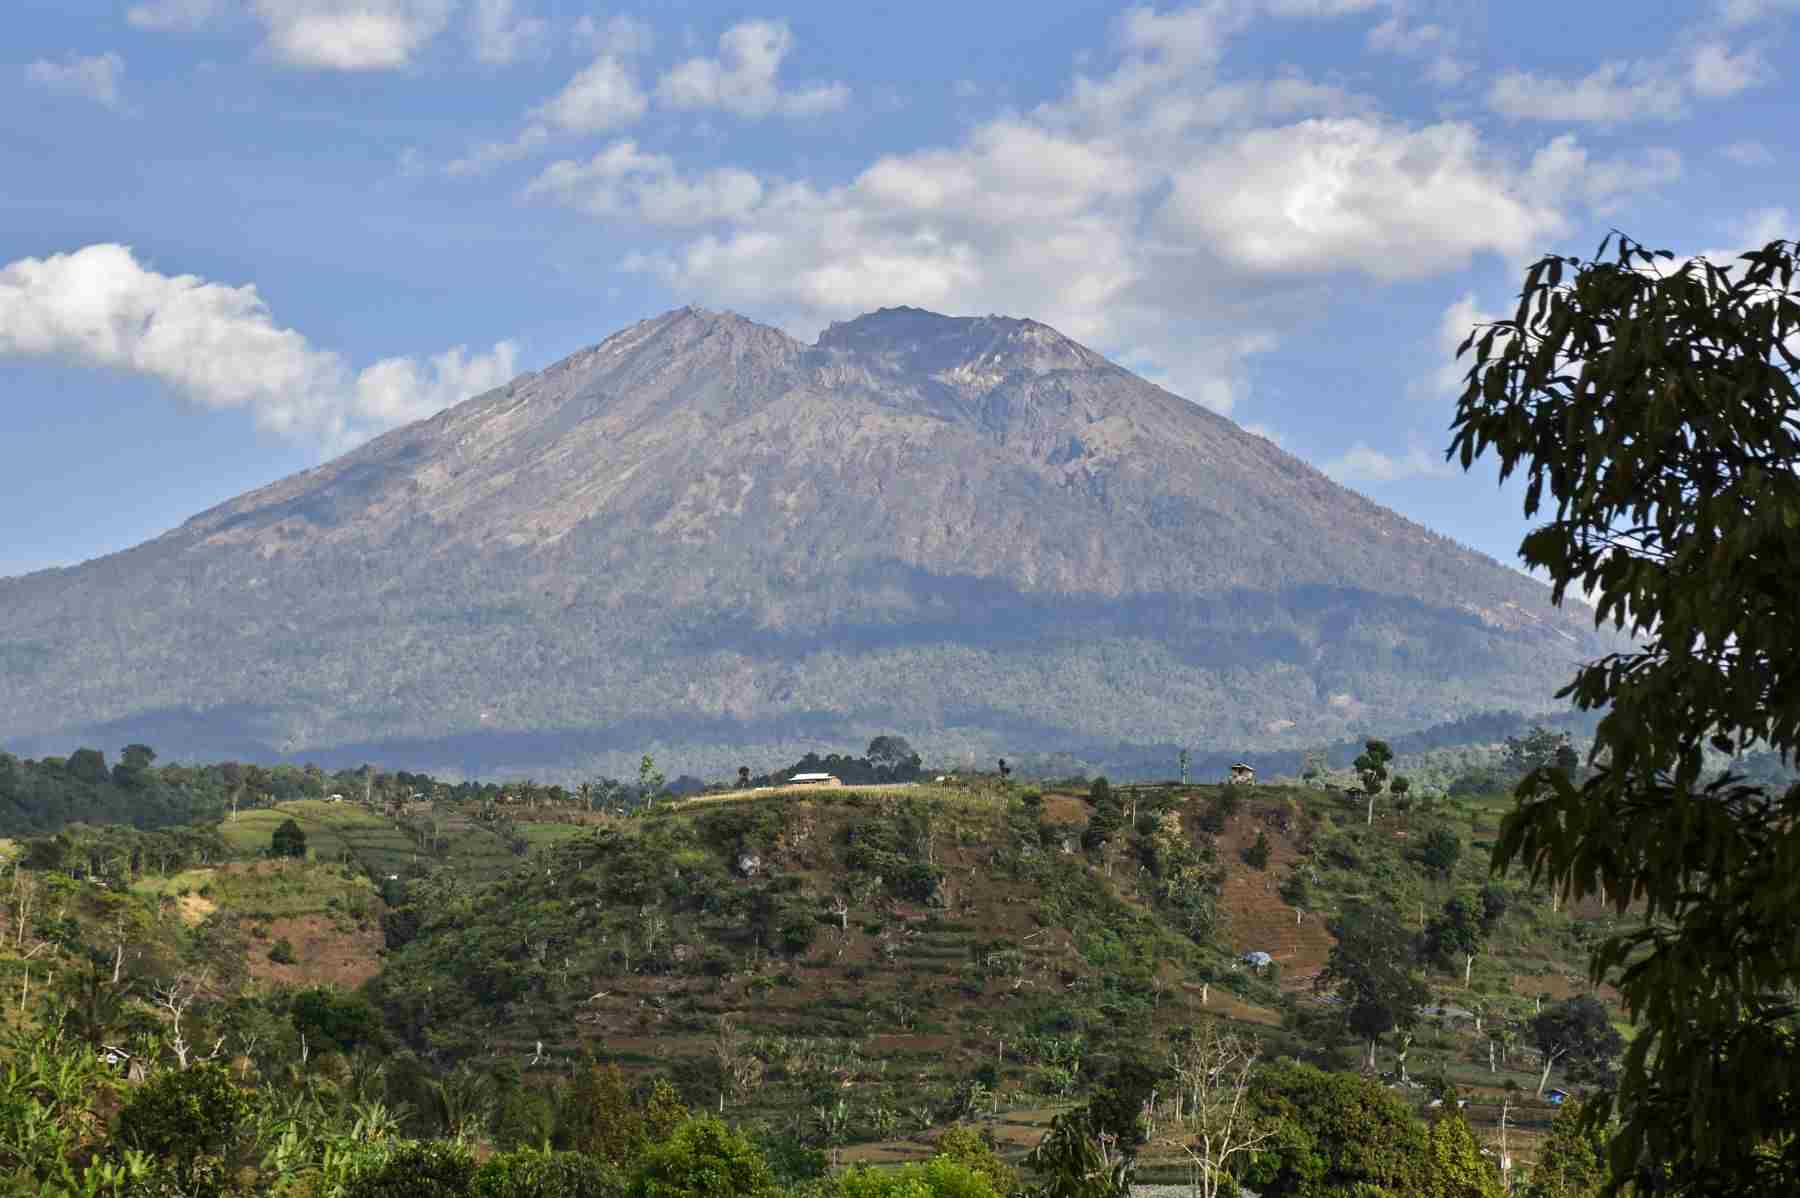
(1576, 1033)
(1456, 1168)
(1335, 1133)
(1099, 790)
(1371, 765)
(1369, 969)
(1571, 1160)
(1257, 855)
(1456, 932)
(1653, 405)
(1538, 749)
(1439, 851)
(703, 1158)
(183, 1115)
(891, 754)
(743, 777)
(1219, 1122)
(651, 782)
(288, 840)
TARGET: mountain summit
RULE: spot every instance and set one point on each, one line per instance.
(708, 540)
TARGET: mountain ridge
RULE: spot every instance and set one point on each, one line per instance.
(916, 520)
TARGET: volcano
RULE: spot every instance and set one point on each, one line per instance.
(706, 540)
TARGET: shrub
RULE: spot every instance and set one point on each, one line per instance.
(182, 1114)
(431, 1169)
(532, 1173)
(940, 1177)
(282, 952)
(1257, 855)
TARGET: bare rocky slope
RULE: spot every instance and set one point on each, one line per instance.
(705, 539)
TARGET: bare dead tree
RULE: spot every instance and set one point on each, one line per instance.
(1218, 1121)
(173, 999)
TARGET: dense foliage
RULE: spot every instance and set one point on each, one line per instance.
(1651, 409)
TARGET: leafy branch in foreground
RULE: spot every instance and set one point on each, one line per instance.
(1655, 405)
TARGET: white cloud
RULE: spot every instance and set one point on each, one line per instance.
(1612, 93)
(605, 95)
(742, 79)
(622, 181)
(1435, 43)
(95, 77)
(1748, 153)
(350, 35)
(339, 35)
(1714, 71)
(185, 15)
(490, 154)
(1362, 463)
(1181, 222)
(1619, 92)
(499, 35)
(1563, 170)
(621, 34)
(218, 346)
(1459, 320)
(1735, 13)
(1322, 195)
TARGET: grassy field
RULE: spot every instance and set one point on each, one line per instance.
(334, 832)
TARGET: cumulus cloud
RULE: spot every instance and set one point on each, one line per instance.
(329, 35)
(95, 77)
(1362, 463)
(1182, 221)
(1714, 71)
(1330, 194)
(1563, 171)
(220, 347)
(499, 35)
(350, 35)
(604, 95)
(743, 78)
(623, 181)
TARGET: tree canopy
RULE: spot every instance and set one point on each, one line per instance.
(1653, 408)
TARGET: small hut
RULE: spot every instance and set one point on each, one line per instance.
(1242, 774)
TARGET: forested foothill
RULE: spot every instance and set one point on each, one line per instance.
(1571, 974)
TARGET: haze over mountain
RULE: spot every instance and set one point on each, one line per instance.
(707, 540)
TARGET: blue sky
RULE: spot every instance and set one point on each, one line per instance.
(237, 236)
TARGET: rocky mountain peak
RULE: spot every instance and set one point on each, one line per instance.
(971, 353)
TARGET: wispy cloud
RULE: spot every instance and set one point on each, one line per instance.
(94, 77)
(1362, 463)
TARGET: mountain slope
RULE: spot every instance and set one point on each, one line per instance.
(706, 538)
